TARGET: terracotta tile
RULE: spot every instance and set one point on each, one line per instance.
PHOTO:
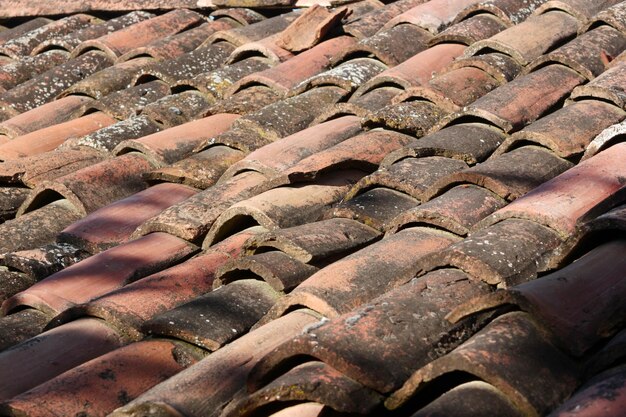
(301, 409)
(49, 138)
(33, 8)
(177, 109)
(568, 131)
(255, 31)
(13, 281)
(282, 272)
(276, 157)
(104, 383)
(349, 75)
(126, 103)
(113, 224)
(412, 176)
(253, 3)
(43, 261)
(23, 45)
(470, 399)
(608, 86)
(505, 254)
(461, 87)
(21, 326)
(45, 87)
(200, 170)
(191, 219)
(316, 243)
(587, 54)
(23, 28)
(217, 82)
(415, 117)
(612, 220)
(107, 138)
(173, 46)
(612, 16)
(366, 104)
(457, 210)
(373, 21)
(101, 273)
(173, 144)
(225, 314)
(434, 15)
(602, 396)
(561, 301)
(109, 80)
(520, 102)
(287, 75)
(608, 356)
(241, 15)
(509, 354)
(283, 206)
(469, 142)
(411, 318)
(310, 27)
(561, 202)
(364, 151)
(202, 59)
(142, 33)
(473, 29)
(363, 275)
(583, 10)
(267, 48)
(510, 11)
(415, 71)
(500, 66)
(313, 381)
(207, 386)
(72, 40)
(129, 307)
(17, 72)
(50, 114)
(391, 46)
(51, 353)
(288, 116)
(38, 227)
(375, 206)
(250, 100)
(95, 186)
(548, 30)
(11, 198)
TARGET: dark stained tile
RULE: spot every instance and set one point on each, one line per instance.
(383, 342)
(612, 220)
(510, 11)
(17, 72)
(142, 33)
(568, 131)
(200, 170)
(457, 210)
(206, 387)
(509, 354)
(413, 117)
(93, 187)
(500, 66)
(582, 192)
(365, 274)
(348, 75)
(613, 16)
(21, 326)
(213, 320)
(561, 301)
(173, 144)
(53, 352)
(177, 109)
(13, 281)
(23, 28)
(101, 273)
(364, 105)
(583, 10)
(126, 103)
(367, 25)
(191, 219)
(505, 254)
(241, 15)
(611, 354)
(11, 200)
(310, 28)
(43, 261)
(50, 138)
(433, 16)
(473, 29)
(104, 383)
(113, 224)
(250, 100)
(608, 86)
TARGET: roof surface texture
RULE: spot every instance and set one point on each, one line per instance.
(275, 208)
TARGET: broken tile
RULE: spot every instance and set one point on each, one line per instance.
(310, 27)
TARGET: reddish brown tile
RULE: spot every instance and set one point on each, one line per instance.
(241, 15)
(105, 383)
(568, 131)
(510, 11)
(310, 27)
(114, 224)
(509, 354)
(433, 16)
(349, 75)
(267, 49)
(459, 87)
(500, 66)
(254, 31)
(612, 220)
(305, 409)
(373, 21)
(142, 33)
(16, 72)
(177, 109)
(43, 261)
(34, 8)
(207, 386)
(613, 16)
(413, 117)
(49, 354)
(23, 28)
(362, 276)
(473, 29)
(252, 99)
(101, 273)
(191, 219)
(126, 103)
(608, 86)
(583, 10)
(173, 144)
(49, 138)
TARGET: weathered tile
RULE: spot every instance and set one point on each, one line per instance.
(609, 355)
(266, 48)
(17, 72)
(509, 353)
(101, 273)
(13, 281)
(511, 11)
(22, 325)
(126, 103)
(11, 198)
(373, 21)
(349, 75)
(23, 28)
(252, 99)
(310, 27)
(113, 224)
(254, 31)
(500, 66)
(613, 16)
(433, 16)
(461, 86)
(608, 86)
(473, 29)
(241, 15)
(34, 8)
(43, 261)
(414, 117)
(583, 10)
(177, 109)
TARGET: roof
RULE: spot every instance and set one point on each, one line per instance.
(295, 208)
